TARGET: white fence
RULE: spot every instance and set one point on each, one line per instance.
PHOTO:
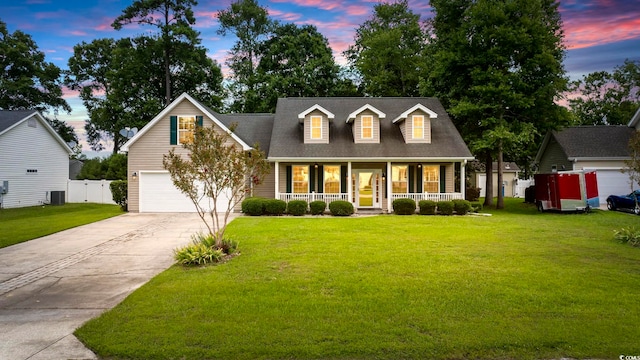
(89, 191)
(521, 185)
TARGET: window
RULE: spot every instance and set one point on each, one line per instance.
(316, 127)
(399, 179)
(332, 179)
(431, 178)
(367, 127)
(300, 179)
(418, 127)
(186, 129)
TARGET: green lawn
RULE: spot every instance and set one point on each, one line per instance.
(23, 224)
(515, 285)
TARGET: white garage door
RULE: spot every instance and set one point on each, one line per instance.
(612, 182)
(158, 194)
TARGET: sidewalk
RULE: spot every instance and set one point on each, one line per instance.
(52, 285)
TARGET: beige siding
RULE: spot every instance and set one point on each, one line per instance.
(554, 155)
(325, 128)
(408, 123)
(449, 185)
(267, 188)
(357, 129)
(147, 152)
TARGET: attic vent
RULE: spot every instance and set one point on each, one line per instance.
(507, 166)
(31, 122)
(32, 171)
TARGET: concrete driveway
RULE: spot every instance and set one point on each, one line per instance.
(52, 285)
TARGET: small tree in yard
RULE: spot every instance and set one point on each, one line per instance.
(211, 167)
(633, 164)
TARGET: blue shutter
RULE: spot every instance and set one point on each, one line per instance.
(320, 179)
(443, 178)
(419, 183)
(199, 121)
(289, 179)
(173, 133)
(343, 179)
(312, 178)
(412, 171)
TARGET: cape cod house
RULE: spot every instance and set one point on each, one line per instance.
(368, 151)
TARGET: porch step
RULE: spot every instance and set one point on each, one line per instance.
(369, 212)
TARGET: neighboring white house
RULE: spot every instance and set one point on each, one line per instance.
(34, 160)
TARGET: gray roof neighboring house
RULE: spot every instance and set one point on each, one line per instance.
(479, 166)
(287, 135)
(591, 142)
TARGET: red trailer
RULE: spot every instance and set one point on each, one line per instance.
(567, 191)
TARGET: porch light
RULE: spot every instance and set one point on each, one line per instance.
(134, 176)
(419, 166)
(315, 165)
(384, 175)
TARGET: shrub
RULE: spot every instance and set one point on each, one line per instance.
(119, 193)
(427, 207)
(253, 206)
(404, 206)
(317, 207)
(445, 207)
(629, 235)
(341, 208)
(274, 207)
(476, 206)
(203, 250)
(297, 207)
(461, 207)
(472, 193)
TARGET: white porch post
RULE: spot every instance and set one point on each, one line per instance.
(463, 179)
(388, 180)
(277, 180)
(349, 190)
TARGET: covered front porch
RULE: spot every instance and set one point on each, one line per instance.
(369, 185)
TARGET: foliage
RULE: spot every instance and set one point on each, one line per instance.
(442, 274)
(461, 207)
(630, 235)
(317, 207)
(404, 206)
(201, 251)
(113, 167)
(427, 207)
(253, 206)
(297, 207)
(275, 207)
(497, 67)
(27, 81)
(603, 98)
(445, 207)
(251, 25)
(472, 193)
(341, 208)
(212, 168)
(119, 189)
(476, 206)
(23, 224)
(632, 165)
(388, 51)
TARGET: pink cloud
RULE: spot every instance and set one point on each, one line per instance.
(586, 33)
(319, 4)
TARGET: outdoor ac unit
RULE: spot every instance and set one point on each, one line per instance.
(4, 187)
(57, 198)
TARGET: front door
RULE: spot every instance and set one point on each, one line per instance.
(367, 187)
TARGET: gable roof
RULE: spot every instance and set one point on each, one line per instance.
(215, 117)
(405, 114)
(287, 140)
(635, 119)
(591, 142)
(12, 118)
(313, 108)
(253, 129)
(364, 107)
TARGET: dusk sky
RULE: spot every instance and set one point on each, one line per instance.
(599, 34)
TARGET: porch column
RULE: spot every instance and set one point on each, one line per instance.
(349, 187)
(388, 183)
(277, 180)
(463, 178)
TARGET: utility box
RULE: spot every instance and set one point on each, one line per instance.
(567, 191)
(4, 187)
(57, 198)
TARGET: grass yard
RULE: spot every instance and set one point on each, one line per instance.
(23, 224)
(516, 285)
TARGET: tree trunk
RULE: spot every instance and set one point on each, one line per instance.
(488, 190)
(500, 204)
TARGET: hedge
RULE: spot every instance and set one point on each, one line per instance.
(427, 207)
(341, 208)
(445, 207)
(404, 206)
(317, 207)
(297, 207)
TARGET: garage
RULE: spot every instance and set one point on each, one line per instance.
(158, 194)
(611, 182)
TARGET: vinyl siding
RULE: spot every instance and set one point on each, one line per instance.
(554, 155)
(147, 152)
(23, 148)
(267, 188)
(408, 132)
(325, 128)
(357, 129)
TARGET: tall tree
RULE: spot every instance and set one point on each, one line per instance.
(497, 66)
(251, 25)
(298, 62)
(173, 19)
(388, 51)
(606, 98)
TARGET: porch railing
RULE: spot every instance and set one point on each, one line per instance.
(310, 197)
(428, 196)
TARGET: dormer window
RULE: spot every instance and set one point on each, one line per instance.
(418, 126)
(316, 127)
(367, 127)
